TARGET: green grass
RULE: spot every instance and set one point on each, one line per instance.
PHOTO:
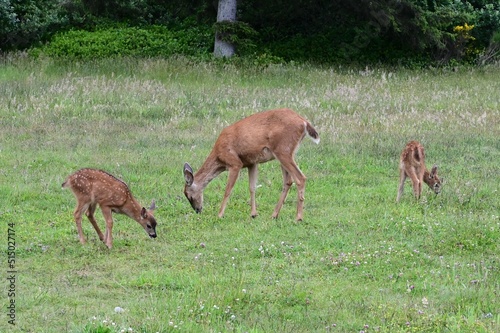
(358, 261)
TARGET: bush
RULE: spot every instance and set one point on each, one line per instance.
(152, 41)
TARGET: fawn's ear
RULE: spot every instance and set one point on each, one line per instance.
(153, 205)
(434, 170)
(188, 174)
(144, 213)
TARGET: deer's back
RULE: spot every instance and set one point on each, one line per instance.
(413, 155)
(98, 186)
(267, 129)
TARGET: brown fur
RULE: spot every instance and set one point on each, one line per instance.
(412, 165)
(93, 187)
(259, 138)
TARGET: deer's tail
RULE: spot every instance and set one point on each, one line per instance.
(418, 154)
(311, 131)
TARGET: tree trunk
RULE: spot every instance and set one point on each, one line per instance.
(225, 12)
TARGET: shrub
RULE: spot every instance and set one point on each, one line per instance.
(152, 41)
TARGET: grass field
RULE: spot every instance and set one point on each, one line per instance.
(358, 261)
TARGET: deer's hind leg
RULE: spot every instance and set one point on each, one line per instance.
(291, 173)
(287, 183)
(90, 215)
(402, 179)
(416, 182)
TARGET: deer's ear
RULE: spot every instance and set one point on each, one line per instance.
(153, 205)
(434, 170)
(188, 174)
(144, 213)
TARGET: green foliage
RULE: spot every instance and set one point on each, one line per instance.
(414, 33)
(27, 22)
(488, 21)
(238, 33)
(265, 60)
(151, 41)
(7, 19)
(387, 31)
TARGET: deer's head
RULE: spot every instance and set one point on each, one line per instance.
(432, 179)
(148, 221)
(193, 193)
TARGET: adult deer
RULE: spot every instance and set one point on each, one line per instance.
(93, 187)
(259, 138)
(412, 164)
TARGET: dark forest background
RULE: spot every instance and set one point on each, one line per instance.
(405, 32)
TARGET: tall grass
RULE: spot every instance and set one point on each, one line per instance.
(358, 261)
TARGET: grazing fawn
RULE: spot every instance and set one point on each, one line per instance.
(412, 164)
(259, 138)
(93, 187)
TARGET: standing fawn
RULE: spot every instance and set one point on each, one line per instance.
(412, 164)
(93, 187)
(259, 138)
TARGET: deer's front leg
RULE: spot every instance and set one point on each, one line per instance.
(80, 208)
(108, 238)
(231, 180)
(252, 179)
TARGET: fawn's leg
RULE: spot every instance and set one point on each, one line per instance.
(402, 178)
(90, 215)
(77, 214)
(108, 238)
(417, 183)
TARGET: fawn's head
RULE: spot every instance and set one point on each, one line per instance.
(432, 179)
(192, 193)
(148, 221)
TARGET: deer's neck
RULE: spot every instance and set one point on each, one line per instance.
(427, 178)
(132, 209)
(210, 169)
